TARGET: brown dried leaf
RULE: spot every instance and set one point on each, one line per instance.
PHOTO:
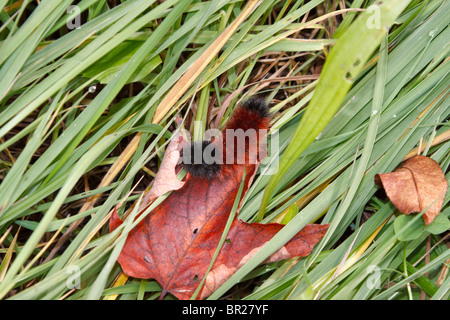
(416, 185)
(166, 179)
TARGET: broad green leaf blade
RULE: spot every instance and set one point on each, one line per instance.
(408, 227)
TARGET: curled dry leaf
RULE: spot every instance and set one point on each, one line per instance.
(176, 242)
(416, 185)
(165, 180)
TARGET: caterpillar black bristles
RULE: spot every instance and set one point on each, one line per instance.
(257, 105)
(199, 158)
(196, 163)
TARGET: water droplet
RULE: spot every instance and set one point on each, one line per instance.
(432, 33)
(374, 112)
(394, 116)
(92, 89)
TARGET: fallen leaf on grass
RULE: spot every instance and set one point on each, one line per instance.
(175, 243)
(416, 185)
(166, 179)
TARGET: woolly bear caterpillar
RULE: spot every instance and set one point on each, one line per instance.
(242, 142)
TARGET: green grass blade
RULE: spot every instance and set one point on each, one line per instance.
(341, 68)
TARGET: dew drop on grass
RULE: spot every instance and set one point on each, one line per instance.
(92, 89)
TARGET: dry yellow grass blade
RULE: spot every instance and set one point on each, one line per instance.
(13, 7)
(355, 257)
(347, 261)
(121, 279)
(13, 160)
(88, 239)
(3, 237)
(303, 201)
(198, 66)
(444, 136)
(8, 256)
(424, 112)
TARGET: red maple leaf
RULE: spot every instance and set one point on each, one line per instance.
(175, 243)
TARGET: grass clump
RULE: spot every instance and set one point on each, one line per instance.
(89, 96)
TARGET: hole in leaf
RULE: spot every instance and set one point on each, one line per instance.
(227, 240)
(195, 277)
(357, 62)
(195, 231)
